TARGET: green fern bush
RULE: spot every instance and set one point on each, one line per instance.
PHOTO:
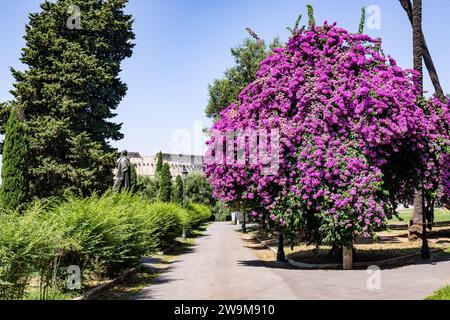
(29, 244)
(198, 214)
(99, 234)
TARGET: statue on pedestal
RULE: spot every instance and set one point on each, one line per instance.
(123, 175)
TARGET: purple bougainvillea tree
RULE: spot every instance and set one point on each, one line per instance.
(329, 139)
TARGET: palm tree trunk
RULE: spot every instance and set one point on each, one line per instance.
(418, 66)
(417, 39)
(419, 220)
(415, 229)
(407, 6)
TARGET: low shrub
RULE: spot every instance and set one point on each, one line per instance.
(165, 221)
(29, 246)
(101, 235)
(103, 232)
(198, 214)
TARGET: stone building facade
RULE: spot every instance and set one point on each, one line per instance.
(146, 165)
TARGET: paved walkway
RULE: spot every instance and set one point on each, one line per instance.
(220, 266)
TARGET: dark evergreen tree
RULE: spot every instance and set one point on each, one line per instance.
(69, 93)
(159, 163)
(14, 192)
(178, 192)
(134, 178)
(165, 187)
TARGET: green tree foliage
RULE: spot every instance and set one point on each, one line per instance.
(222, 211)
(296, 28)
(362, 21)
(69, 93)
(14, 192)
(198, 214)
(149, 188)
(178, 192)
(311, 18)
(159, 163)
(134, 177)
(165, 187)
(5, 112)
(199, 190)
(225, 91)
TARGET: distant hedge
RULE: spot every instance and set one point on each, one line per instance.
(101, 235)
(198, 214)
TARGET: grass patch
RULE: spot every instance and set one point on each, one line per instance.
(54, 296)
(441, 215)
(443, 294)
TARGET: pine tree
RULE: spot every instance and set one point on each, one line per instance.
(14, 192)
(165, 189)
(178, 193)
(69, 93)
(159, 163)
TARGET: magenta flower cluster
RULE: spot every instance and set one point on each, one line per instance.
(446, 182)
(354, 138)
(439, 114)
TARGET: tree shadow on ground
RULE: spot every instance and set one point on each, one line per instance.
(387, 255)
(147, 293)
(254, 245)
(199, 232)
(181, 248)
(383, 257)
(137, 284)
(266, 264)
(155, 263)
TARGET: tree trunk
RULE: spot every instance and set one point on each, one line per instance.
(417, 39)
(238, 212)
(417, 218)
(425, 248)
(281, 256)
(415, 225)
(419, 201)
(347, 258)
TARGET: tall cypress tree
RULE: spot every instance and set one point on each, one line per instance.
(178, 193)
(15, 180)
(70, 91)
(165, 187)
(159, 163)
(134, 177)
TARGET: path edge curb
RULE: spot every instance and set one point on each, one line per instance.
(382, 263)
(94, 292)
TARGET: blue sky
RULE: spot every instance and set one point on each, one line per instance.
(182, 45)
